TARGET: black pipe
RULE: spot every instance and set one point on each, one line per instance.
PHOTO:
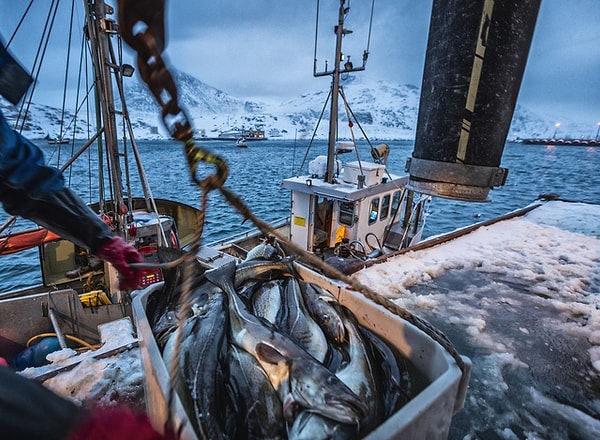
(476, 55)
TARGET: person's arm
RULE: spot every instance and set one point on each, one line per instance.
(30, 411)
(31, 189)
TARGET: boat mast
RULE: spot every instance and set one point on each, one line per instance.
(335, 74)
(99, 28)
(335, 88)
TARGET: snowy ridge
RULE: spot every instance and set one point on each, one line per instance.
(385, 110)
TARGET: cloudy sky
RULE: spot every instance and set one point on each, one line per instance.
(264, 49)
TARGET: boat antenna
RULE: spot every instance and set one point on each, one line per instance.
(366, 52)
(316, 38)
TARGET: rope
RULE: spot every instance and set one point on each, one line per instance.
(71, 337)
(185, 304)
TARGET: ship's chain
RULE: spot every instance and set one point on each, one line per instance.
(141, 24)
(149, 45)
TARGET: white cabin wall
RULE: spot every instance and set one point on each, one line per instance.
(302, 220)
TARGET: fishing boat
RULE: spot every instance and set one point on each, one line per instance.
(78, 291)
(252, 134)
(563, 141)
(354, 202)
(341, 217)
(56, 140)
(343, 208)
(242, 142)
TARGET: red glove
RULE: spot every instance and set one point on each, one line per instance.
(120, 254)
(118, 423)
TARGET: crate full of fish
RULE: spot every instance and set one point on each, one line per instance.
(267, 348)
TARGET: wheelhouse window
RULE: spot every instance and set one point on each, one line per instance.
(395, 202)
(346, 213)
(385, 207)
(373, 210)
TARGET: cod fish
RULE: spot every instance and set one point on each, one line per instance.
(264, 270)
(202, 353)
(319, 304)
(394, 384)
(255, 401)
(296, 375)
(297, 323)
(264, 251)
(357, 372)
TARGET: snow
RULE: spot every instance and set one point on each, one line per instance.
(559, 264)
(106, 381)
(521, 298)
(387, 110)
(551, 255)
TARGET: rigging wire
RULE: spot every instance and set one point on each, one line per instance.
(314, 132)
(37, 64)
(366, 53)
(316, 38)
(19, 23)
(64, 98)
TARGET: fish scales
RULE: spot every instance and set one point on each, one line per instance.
(319, 304)
(258, 406)
(294, 373)
(267, 300)
(200, 367)
(297, 323)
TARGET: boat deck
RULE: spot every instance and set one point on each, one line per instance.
(520, 298)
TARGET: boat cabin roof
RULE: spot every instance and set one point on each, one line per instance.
(343, 190)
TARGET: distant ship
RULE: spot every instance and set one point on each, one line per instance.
(569, 142)
(235, 134)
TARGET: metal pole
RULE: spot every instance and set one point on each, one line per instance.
(98, 26)
(335, 87)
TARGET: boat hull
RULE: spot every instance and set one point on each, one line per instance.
(26, 316)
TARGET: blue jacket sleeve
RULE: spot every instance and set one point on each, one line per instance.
(33, 190)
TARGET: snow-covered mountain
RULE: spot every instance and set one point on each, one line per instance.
(384, 110)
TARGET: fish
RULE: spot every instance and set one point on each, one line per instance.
(297, 323)
(266, 301)
(256, 403)
(357, 372)
(299, 378)
(264, 251)
(201, 356)
(312, 426)
(394, 385)
(264, 270)
(162, 309)
(319, 304)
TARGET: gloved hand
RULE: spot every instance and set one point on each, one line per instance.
(120, 254)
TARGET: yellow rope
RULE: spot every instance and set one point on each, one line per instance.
(71, 337)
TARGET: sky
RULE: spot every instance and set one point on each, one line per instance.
(519, 298)
(264, 49)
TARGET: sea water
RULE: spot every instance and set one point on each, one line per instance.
(255, 173)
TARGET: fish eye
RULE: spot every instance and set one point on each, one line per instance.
(332, 380)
